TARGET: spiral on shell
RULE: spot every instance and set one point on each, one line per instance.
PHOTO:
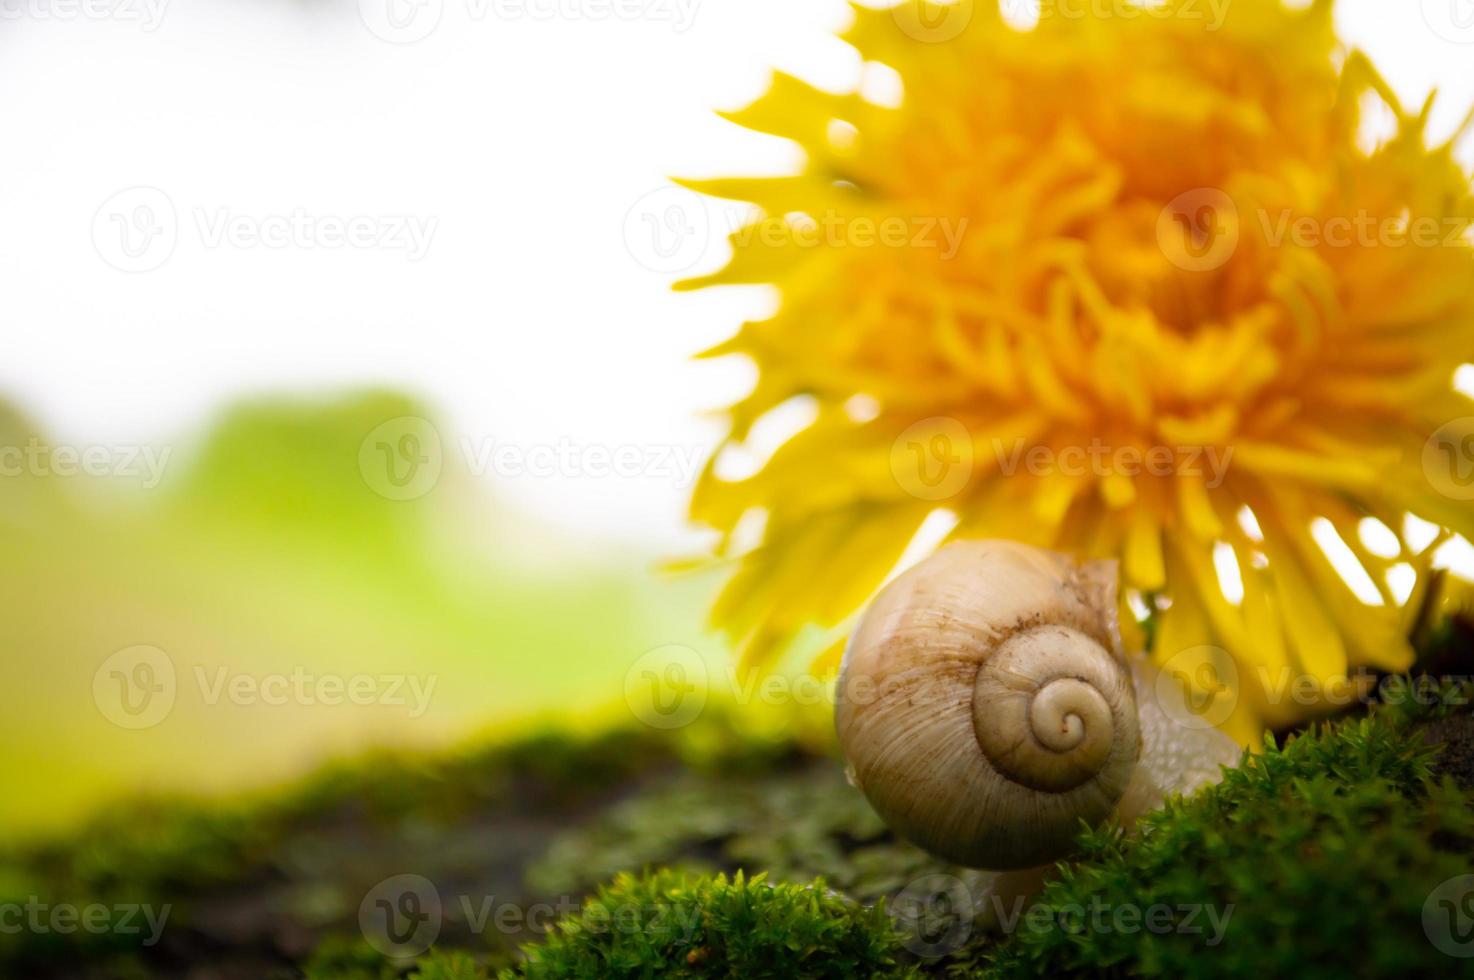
(984, 703)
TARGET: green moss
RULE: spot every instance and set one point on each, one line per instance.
(795, 825)
(343, 959)
(1311, 860)
(448, 966)
(1315, 858)
(1407, 701)
(671, 925)
(297, 862)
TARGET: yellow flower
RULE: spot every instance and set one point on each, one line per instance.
(1137, 284)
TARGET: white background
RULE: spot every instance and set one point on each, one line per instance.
(529, 137)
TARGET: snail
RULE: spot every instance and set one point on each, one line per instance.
(986, 706)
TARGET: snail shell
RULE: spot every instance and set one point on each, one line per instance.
(985, 705)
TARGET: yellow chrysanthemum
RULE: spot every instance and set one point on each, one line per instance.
(1129, 285)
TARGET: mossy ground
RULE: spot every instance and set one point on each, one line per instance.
(719, 854)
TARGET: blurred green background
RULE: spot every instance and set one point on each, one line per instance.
(264, 550)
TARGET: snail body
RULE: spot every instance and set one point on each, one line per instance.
(986, 706)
